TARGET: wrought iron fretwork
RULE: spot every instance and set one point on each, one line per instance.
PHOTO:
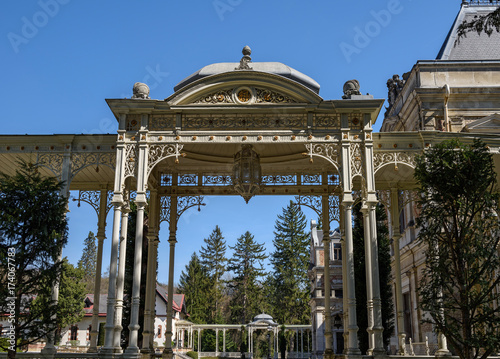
(356, 159)
(187, 180)
(314, 202)
(131, 160)
(272, 180)
(183, 204)
(84, 159)
(328, 151)
(157, 153)
(94, 198)
(53, 161)
(381, 159)
(217, 180)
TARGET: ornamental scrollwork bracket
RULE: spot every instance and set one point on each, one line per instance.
(81, 160)
(183, 204)
(314, 203)
(52, 161)
(94, 199)
(381, 159)
(157, 153)
(328, 151)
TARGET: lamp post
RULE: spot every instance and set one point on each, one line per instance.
(246, 172)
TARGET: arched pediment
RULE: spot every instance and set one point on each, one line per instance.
(243, 88)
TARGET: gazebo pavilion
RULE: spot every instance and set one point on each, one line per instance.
(235, 129)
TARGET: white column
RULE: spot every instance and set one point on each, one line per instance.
(371, 202)
(149, 307)
(352, 326)
(132, 348)
(369, 278)
(108, 347)
(167, 352)
(345, 312)
(107, 350)
(120, 280)
(199, 341)
(397, 271)
(327, 287)
(140, 201)
(101, 235)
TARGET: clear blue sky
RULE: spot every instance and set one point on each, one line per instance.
(61, 58)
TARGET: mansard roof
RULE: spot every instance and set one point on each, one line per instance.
(474, 46)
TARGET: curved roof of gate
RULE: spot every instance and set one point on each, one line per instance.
(276, 68)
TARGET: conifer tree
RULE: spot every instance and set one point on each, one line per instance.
(88, 260)
(246, 286)
(384, 259)
(33, 230)
(194, 284)
(213, 259)
(288, 285)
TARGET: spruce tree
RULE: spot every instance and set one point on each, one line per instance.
(33, 230)
(194, 284)
(88, 261)
(384, 259)
(288, 284)
(246, 287)
(214, 261)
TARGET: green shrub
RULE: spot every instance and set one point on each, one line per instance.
(192, 354)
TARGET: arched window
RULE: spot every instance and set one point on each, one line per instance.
(159, 331)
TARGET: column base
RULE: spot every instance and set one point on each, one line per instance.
(379, 353)
(328, 354)
(353, 356)
(442, 353)
(106, 353)
(92, 350)
(131, 353)
(167, 353)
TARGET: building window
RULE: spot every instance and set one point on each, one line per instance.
(74, 333)
(159, 331)
(337, 251)
(339, 293)
(89, 329)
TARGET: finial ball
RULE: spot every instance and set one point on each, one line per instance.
(246, 50)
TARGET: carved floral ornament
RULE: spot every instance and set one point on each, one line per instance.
(245, 95)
